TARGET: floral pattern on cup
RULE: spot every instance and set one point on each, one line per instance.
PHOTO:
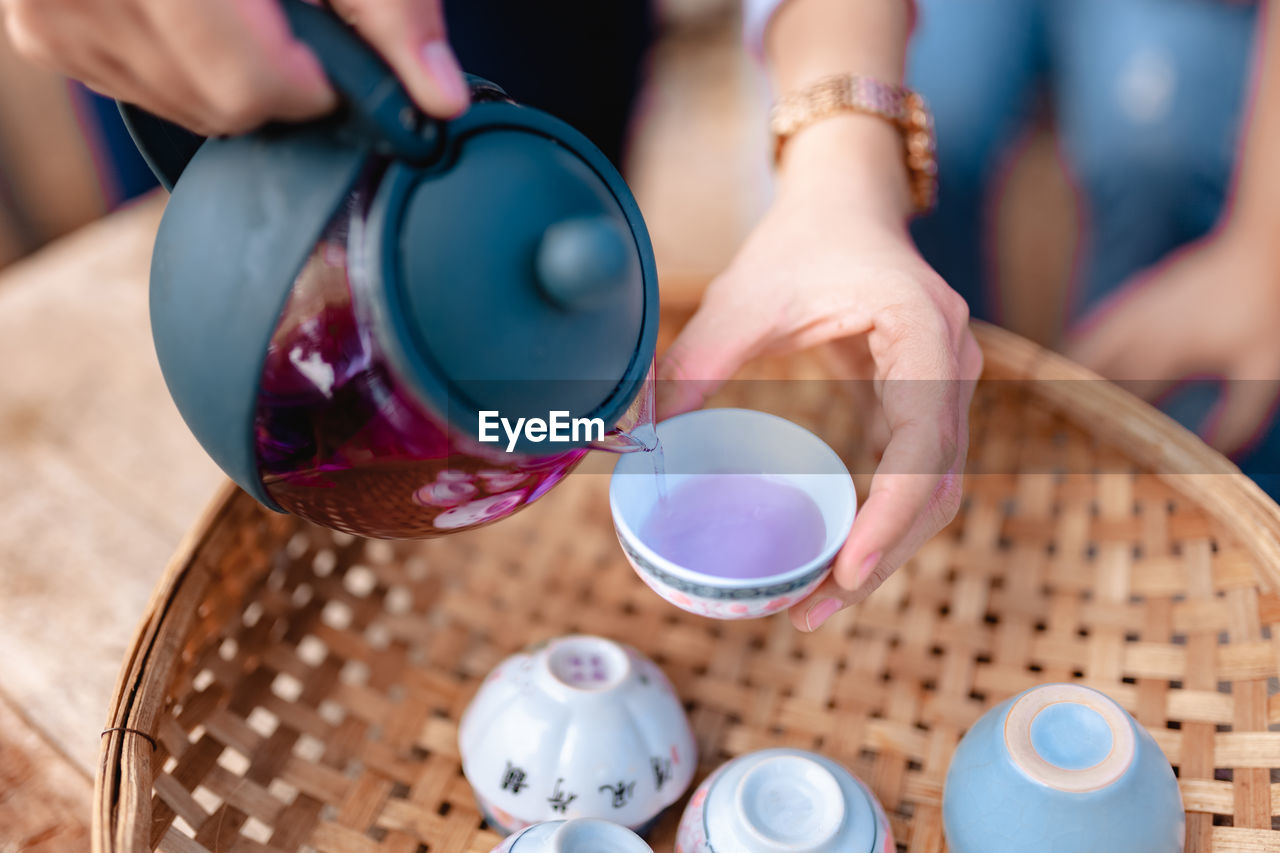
(691, 836)
(717, 603)
(579, 834)
(692, 833)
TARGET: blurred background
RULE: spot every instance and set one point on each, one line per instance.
(48, 180)
(697, 160)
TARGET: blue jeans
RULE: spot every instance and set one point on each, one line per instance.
(1147, 98)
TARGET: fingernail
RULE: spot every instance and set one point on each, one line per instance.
(821, 612)
(868, 566)
(443, 67)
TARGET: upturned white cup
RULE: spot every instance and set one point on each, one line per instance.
(583, 835)
(783, 801)
(578, 727)
(732, 441)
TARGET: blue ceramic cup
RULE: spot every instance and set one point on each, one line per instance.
(1061, 768)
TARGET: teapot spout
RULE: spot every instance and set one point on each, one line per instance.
(637, 429)
(642, 438)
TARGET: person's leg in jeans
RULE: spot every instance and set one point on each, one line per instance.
(1150, 98)
(977, 63)
(1150, 95)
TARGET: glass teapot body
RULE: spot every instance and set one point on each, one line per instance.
(338, 306)
(341, 437)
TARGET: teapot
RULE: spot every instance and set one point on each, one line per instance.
(395, 326)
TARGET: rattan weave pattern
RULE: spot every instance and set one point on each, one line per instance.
(304, 686)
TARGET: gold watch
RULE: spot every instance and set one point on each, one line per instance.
(854, 93)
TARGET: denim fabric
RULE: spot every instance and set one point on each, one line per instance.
(1147, 98)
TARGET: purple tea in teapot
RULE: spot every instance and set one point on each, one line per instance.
(340, 308)
(340, 441)
(343, 443)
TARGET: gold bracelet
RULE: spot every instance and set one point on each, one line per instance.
(853, 93)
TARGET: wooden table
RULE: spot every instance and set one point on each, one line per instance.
(101, 479)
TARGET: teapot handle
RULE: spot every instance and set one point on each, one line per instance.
(372, 96)
(370, 91)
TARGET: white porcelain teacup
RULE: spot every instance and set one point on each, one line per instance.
(732, 441)
(783, 801)
(577, 727)
(583, 835)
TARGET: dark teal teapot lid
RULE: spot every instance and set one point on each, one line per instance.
(510, 265)
(517, 275)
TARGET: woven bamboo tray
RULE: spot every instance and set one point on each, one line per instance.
(302, 688)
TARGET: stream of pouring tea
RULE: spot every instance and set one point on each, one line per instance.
(639, 432)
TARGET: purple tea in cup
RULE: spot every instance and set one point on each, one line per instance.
(736, 526)
(755, 510)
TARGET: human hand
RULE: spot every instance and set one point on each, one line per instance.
(1211, 308)
(832, 263)
(227, 67)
